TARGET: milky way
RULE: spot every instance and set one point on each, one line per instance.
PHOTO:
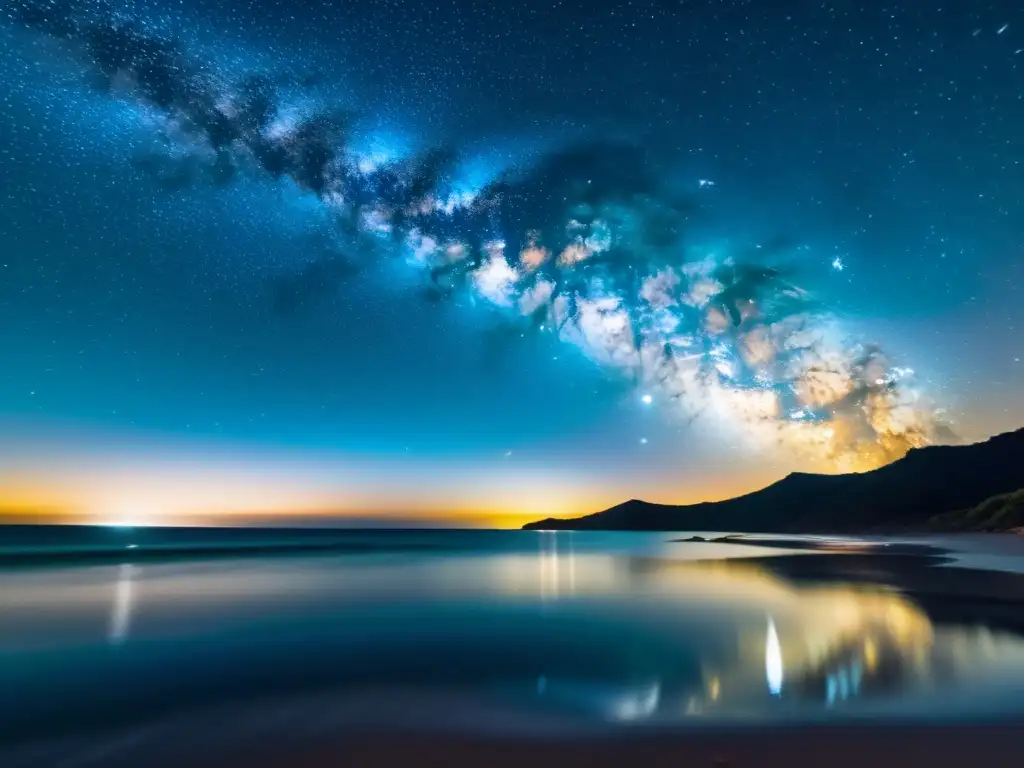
(586, 243)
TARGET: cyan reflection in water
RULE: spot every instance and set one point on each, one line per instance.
(628, 630)
(773, 659)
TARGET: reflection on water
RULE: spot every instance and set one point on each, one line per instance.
(121, 612)
(819, 647)
(773, 659)
(552, 624)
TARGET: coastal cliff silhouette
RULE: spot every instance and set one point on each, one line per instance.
(927, 483)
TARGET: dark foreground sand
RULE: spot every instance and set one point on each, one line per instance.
(986, 746)
(827, 747)
(310, 733)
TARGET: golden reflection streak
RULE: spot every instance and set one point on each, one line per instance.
(814, 628)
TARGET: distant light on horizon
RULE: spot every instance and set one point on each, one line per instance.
(126, 520)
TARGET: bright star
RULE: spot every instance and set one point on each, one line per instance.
(646, 399)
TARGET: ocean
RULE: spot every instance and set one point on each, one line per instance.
(106, 629)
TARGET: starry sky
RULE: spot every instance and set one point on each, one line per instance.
(478, 263)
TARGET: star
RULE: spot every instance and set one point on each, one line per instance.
(349, 280)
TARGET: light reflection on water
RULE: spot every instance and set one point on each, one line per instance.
(621, 634)
(121, 613)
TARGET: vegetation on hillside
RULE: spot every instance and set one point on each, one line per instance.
(998, 513)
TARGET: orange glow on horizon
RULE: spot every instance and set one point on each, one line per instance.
(55, 475)
(205, 501)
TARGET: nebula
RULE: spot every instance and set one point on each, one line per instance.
(586, 243)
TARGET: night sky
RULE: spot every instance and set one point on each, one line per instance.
(478, 263)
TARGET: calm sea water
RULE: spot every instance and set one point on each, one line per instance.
(611, 628)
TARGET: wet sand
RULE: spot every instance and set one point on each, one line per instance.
(835, 747)
(951, 595)
(300, 735)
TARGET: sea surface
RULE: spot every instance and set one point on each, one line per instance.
(107, 629)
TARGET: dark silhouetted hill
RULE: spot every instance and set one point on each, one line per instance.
(904, 495)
